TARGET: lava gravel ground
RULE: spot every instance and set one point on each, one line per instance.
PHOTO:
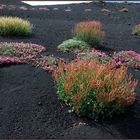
(29, 106)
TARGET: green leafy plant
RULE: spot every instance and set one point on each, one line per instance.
(89, 31)
(14, 26)
(93, 89)
(73, 45)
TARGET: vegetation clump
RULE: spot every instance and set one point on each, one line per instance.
(89, 31)
(73, 45)
(14, 26)
(93, 89)
(19, 52)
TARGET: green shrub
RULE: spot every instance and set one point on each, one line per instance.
(14, 26)
(95, 90)
(73, 45)
(89, 31)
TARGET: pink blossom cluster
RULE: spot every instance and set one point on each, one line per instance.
(20, 52)
(130, 58)
(98, 53)
(9, 60)
(47, 63)
(91, 54)
(27, 53)
(134, 54)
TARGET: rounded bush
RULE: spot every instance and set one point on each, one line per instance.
(73, 45)
(93, 89)
(89, 31)
(136, 30)
(14, 26)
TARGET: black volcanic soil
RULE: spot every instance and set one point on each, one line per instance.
(29, 107)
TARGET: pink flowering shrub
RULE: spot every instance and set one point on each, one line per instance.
(19, 52)
(129, 58)
(4, 59)
(47, 63)
(94, 55)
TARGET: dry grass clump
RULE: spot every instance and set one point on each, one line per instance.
(89, 31)
(14, 26)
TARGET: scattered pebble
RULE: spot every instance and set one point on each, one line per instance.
(88, 10)
(23, 8)
(68, 10)
(55, 9)
(105, 10)
(124, 10)
(43, 8)
(78, 124)
(40, 103)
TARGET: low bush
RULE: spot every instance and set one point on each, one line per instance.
(19, 52)
(136, 30)
(73, 45)
(14, 26)
(47, 63)
(94, 55)
(89, 31)
(93, 89)
(129, 58)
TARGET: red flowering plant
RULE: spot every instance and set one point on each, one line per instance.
(19, 52)
(93, 89)
(89, 31)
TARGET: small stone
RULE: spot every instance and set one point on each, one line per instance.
(105, 10)
(16, 103)
(67, 10)
(40, 103)
(43, 8)
(88, 10)
(79, 124)
(55, 9)
(23, 8)
(124, 10)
